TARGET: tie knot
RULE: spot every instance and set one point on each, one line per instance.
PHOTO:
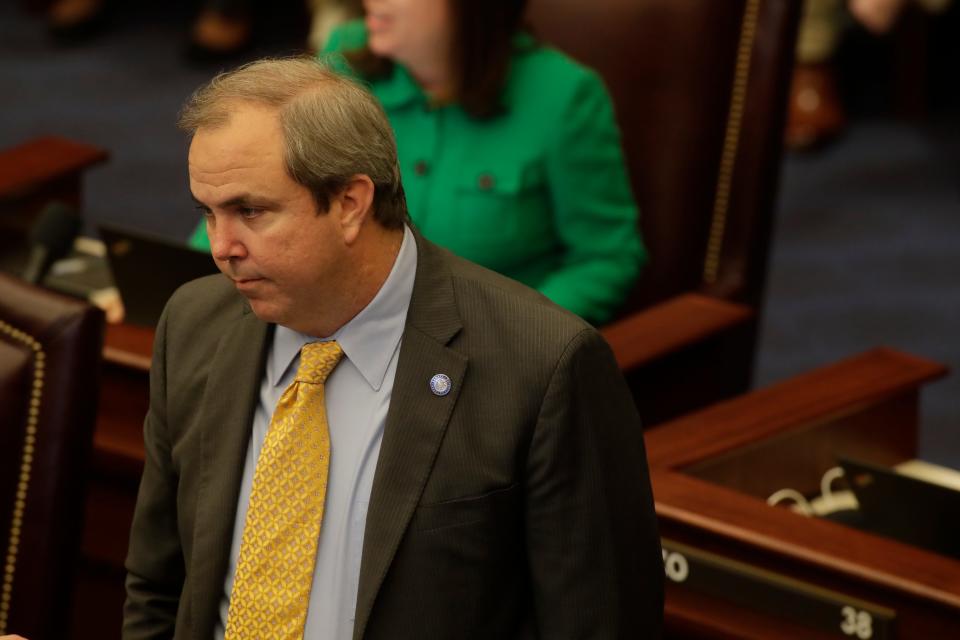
(317, 360)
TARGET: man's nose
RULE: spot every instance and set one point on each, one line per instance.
(225, 240)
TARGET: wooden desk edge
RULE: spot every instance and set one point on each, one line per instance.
(873, 559)
(44, 159)
(670, 326)
(129, 346)
(819, 395)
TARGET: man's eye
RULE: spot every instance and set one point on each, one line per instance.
(204, 211)
(250, 212)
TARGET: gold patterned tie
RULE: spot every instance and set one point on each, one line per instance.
(271, 587)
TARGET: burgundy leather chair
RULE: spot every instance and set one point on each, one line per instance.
(50, 349)
(700, 89)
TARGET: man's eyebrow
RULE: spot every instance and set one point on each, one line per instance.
(241, 200)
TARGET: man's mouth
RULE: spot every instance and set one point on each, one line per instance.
(377, 21)
(245, 283)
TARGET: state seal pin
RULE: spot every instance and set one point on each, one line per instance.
(440, 384)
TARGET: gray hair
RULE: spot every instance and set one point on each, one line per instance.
(333, 129)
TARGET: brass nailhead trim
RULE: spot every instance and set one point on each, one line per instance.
(26, 465)
(731, 142)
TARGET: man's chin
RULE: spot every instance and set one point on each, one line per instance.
(265, 311)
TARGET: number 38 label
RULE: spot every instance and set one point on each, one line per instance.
(856, 623)
(778, 595)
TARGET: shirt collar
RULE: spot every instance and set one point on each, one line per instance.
(370, 339)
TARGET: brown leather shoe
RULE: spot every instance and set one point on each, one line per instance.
(815, 115)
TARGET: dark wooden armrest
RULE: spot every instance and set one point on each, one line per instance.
(670, 326)
(683, 354)
(30, 166)
(823, 396)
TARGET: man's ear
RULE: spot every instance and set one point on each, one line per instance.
(356, 206)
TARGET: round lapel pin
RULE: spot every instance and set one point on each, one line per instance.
(440, 384)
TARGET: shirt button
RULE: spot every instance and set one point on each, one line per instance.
(421, 168)
(485, 181)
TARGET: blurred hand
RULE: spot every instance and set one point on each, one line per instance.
(878, 16)
(108, 300)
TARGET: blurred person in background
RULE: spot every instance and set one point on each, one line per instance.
(816, 114)
(509, 150)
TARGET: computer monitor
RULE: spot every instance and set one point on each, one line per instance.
(147, 270)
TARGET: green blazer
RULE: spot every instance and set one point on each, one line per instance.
(539, 193)
(516, 506)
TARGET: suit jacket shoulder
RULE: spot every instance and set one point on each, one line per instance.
(494, 304)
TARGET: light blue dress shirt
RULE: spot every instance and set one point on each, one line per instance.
(357, 398)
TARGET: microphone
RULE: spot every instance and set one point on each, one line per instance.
(50, 239)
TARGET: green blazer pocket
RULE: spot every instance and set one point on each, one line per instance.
(500, 204)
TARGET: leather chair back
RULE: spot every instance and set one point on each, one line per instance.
(50, 348)
(699, 88)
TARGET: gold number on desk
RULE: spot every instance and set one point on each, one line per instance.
(675, 565)
(856, 623)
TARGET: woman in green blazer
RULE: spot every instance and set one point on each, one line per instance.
(509, 150)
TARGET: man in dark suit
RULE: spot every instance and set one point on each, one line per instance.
(485, 475)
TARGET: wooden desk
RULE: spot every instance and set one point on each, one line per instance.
(115, 474)
(39, 171)
(124, 399)
(32, 175)
(712, 471)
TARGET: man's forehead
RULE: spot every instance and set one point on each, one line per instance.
(240, 116)
(251, 129)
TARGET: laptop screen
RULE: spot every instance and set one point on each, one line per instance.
(147, 270)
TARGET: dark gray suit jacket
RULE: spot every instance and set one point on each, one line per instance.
(516, 506)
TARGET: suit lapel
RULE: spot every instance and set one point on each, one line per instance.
(416, 421)
(228, 405)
